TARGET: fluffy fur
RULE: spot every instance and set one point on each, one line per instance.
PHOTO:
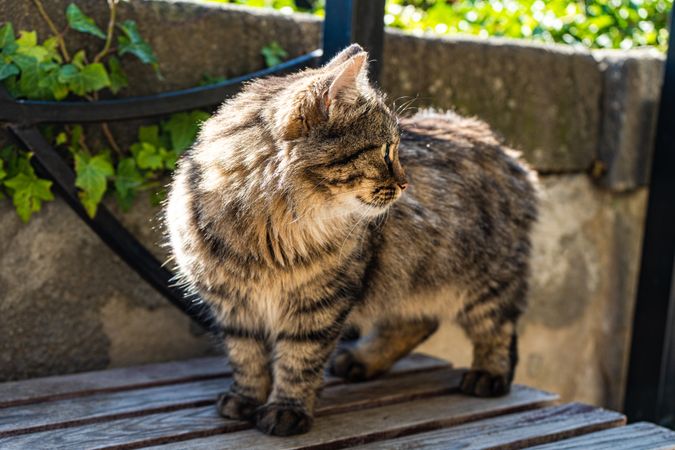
(288, 217)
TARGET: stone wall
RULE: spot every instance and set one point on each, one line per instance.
(583, 119)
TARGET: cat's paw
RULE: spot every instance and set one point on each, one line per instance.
(345, 364)
(282, 420)
(480, 383)
(236, 407)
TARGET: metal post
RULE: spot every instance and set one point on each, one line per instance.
(360, 21)
(337, 28)
(650, 390)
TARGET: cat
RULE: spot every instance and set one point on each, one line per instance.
(307, 206)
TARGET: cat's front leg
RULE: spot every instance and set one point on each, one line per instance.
(249, 357)
(299, 361)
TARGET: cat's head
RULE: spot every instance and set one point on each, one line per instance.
(341, 137)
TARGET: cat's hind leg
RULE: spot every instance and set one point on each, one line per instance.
(489, 320)
(375, 353)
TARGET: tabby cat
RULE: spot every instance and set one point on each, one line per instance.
(289, 218)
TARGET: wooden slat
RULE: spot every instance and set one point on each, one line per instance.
(65, 386)
(638, 436)
(200, 421)
(108, 406)
(353, 428)
(512, 431)
(38, 390)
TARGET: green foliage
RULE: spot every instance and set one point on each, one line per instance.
(182, 128)
(92, 178)
(591, 23)
(19, 180)
(45, 71)
(273, 54)
(128, 180)
(78, 21)
(118, 79)
(82, 81)
(132, 42)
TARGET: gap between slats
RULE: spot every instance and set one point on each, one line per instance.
(342, 430)
(144, 372)
(193, 423)
(199, 399)
(154, 372)
(512, 431)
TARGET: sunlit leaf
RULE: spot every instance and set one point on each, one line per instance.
(92, 178)
(28, 191)
(132, 42)
(79, 21)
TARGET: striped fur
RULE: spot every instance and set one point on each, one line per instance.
(288, 217)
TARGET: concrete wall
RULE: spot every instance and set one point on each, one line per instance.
(583, 119)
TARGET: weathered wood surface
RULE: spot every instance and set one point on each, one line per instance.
(349, 429)
(39, 390)
(512, 431)
(417, 405)
(398, 385)
(64, 386)
(203, 421)
(637, 436)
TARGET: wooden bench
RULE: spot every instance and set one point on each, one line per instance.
(417, 405)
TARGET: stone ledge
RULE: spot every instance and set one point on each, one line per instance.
(563, 106)
(545, 100)
(631, 92)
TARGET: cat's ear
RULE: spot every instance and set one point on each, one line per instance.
(343, 56)
(311, 107)
(347, 80)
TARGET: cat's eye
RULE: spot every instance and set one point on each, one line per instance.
(386, 153)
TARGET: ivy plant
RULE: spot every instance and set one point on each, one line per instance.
(46, 70)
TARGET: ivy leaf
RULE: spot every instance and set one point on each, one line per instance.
(132, 42)
(27, 39)
(95, 77)
(67, 72)
(49, 80)
(183, 128)
(92, 177)
(118, 78)
(79, 59)
(148, 157)
(61, 138)
(30, 75)
(127, 180)
(7, 69)
(92, 77)
(3, 174)
(79, 21)
(52, 46)
(273, 54)
(9, 155)
(7, 42)
(27, 45)
(170, 157)
(149, 134)
(28, 191)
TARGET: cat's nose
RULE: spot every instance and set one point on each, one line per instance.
(403, 186)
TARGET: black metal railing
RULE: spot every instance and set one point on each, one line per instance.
(345, 20)
(650, 390)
